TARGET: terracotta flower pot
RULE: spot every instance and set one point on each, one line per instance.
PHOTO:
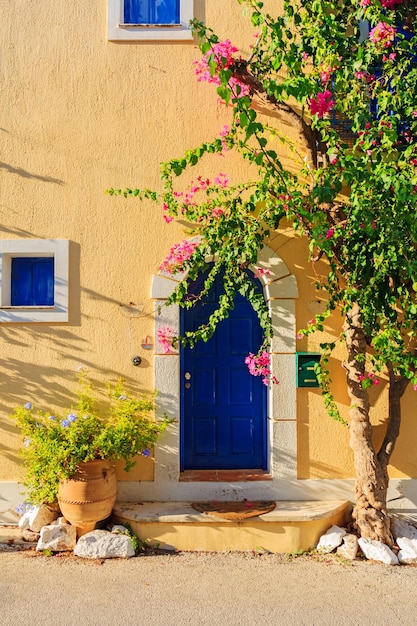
(89, 495)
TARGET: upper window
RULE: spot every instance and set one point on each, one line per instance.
(149, 19)
(161, 12)
(34, 280)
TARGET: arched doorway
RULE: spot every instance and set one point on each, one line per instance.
(280, 292)
(223, 407)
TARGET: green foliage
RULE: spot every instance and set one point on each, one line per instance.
(138, 545)
(53, 446)
(354, 197)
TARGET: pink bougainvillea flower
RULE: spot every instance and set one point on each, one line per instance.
(221, 180)
(166, 217)
(165, 336)
(368, 379)
(325, 75)
(322, 103)
(391, 4)
(223, 54)
(391, 57)
(177, 256)
(259, 365)
(217, 212)
(382, 35)
(260, 271)
(223, 134)
(330, 233)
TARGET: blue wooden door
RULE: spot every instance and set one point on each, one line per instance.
(223, 414)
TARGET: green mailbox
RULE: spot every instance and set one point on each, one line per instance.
(306, 376)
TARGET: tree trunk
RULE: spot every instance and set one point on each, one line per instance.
(370, 510)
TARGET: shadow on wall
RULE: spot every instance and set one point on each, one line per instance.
(323, 443)
(47, 388)
(25, 174)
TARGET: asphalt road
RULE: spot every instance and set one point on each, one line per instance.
(199, 589)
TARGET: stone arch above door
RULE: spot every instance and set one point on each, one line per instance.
(280, 290)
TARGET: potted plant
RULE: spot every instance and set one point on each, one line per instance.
(69, 458)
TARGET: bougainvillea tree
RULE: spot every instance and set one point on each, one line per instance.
(343, 76)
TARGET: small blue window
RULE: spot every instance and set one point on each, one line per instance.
(152, 12)
(32, 281)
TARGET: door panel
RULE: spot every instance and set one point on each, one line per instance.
(223, 408)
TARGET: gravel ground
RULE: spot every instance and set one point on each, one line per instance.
(204, 588)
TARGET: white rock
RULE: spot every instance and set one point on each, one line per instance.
(24, 520)
(349, 548)
(401, 528)
(118, 529)
(57, 537)
(60, 521)
(331, 539)
(101, 544)
(377, 551)
(408, 552)
(405, 543)
(38, 517)
(407, 557)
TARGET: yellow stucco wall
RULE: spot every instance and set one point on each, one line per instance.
(81, 114)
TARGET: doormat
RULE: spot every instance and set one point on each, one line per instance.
(235, 511)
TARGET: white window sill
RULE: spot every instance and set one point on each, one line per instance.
(27, 308)
(150, 32)
(155, 26)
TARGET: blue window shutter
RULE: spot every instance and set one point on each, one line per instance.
(152, 11)
(32, 281)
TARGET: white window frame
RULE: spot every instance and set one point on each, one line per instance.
(13, 248)
(117, 30)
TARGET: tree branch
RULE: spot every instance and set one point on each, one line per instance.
(257, 89)
(397, 387)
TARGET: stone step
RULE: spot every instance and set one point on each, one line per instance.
(293, 526)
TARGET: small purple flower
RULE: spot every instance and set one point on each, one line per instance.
(122, 397)
(65, 423)
(26, 442)
(23, 508)
(28, 405)
(72, 417)
(146, 453)
(52, 417)
(79, 368)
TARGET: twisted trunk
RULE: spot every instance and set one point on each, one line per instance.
(371, 467)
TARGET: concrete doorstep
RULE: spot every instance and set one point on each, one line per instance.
(292, 526)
